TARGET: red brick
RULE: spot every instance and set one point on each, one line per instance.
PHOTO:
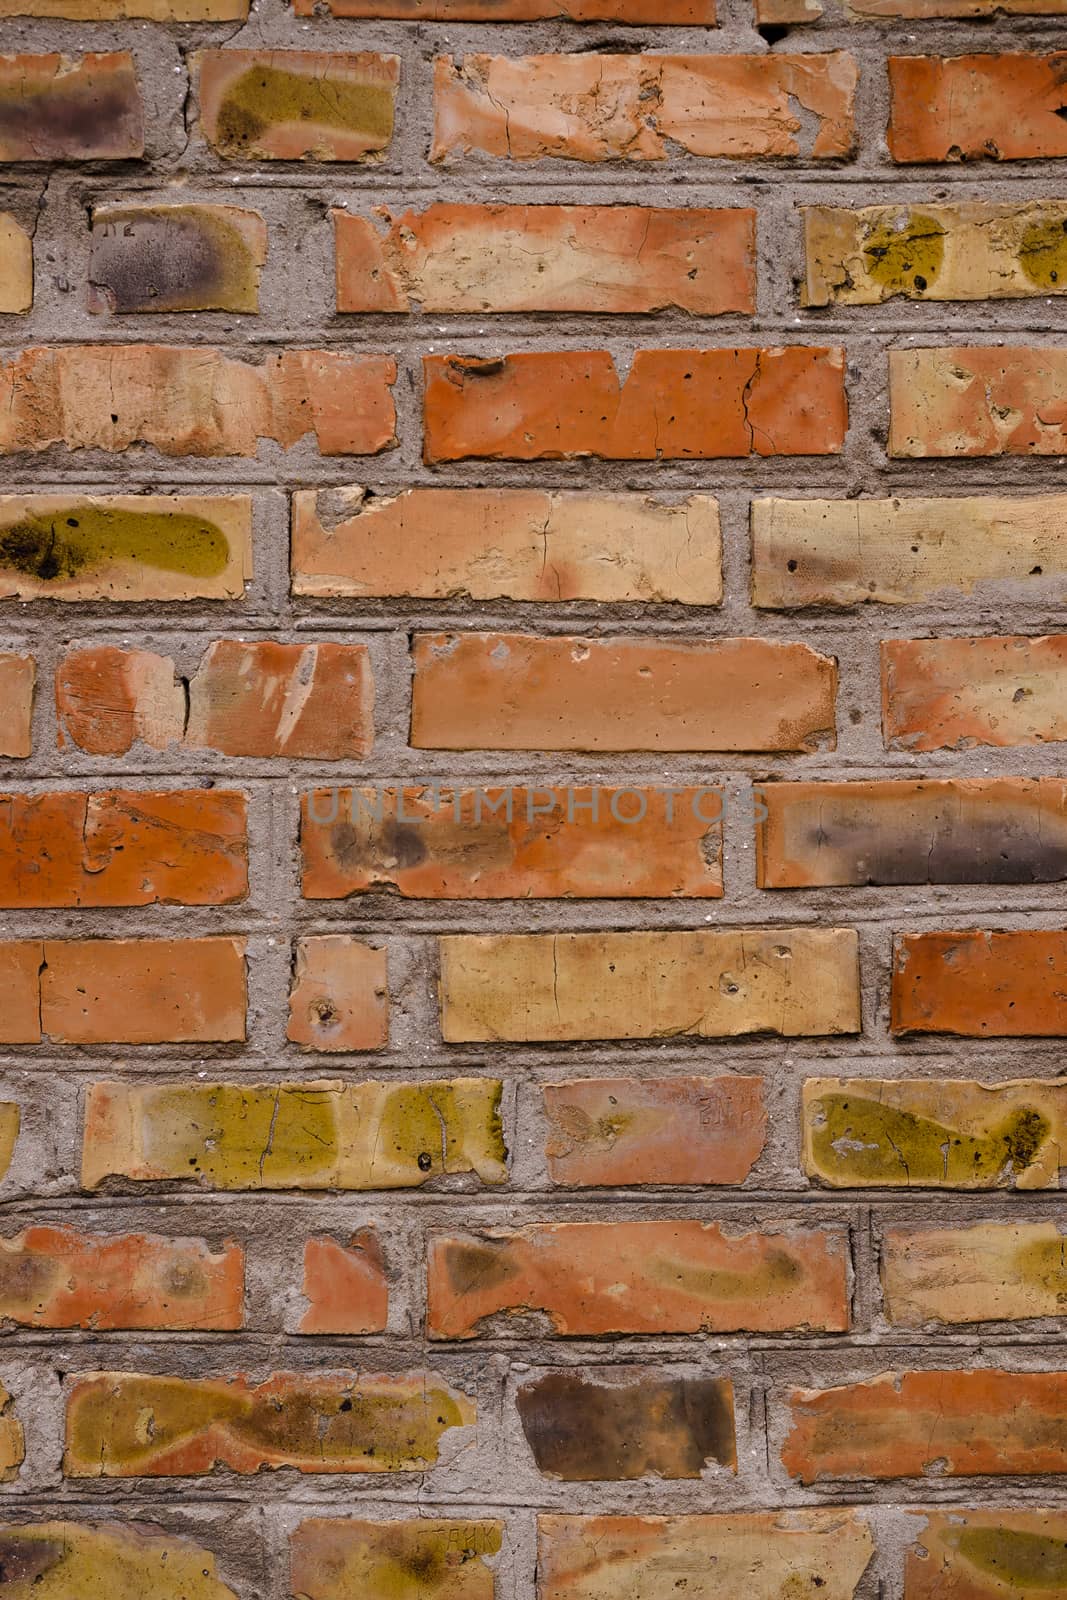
(673, 405)
(123, 848)
(18, 676)
(345, 1286)
(108, 699)
(637, 107)
(21, 961)
(639, 1277)
(981, 984)
(548, 258)
(960, 108)
(339, 999)
(929, 1424)
(944, 694)
(665, 13)
(291, 105)
(58, 1278)
(978, 401)
(54, 108)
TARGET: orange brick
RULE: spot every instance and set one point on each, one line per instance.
(345, 1286)
(108, 698)
(673, 405)
(193, 401)
(960, 108)
(943, 694)
(18, 675)
(986, 1555)
(981, 984)
(929, 1424)
(979, 401)
(636, 107)
(123, 848)
(58, 1278)
(548, 258)
(291, 105)
(665, 13)
(512, 843)
(16, 262)
(142, 991)
(989, 1272)
(53, 108)
(485, 691)
(339, 998)
(639, 1277)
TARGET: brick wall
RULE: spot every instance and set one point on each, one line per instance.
(533, 663)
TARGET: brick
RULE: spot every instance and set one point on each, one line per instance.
(989, 1272)
(10, 1117)
(425, 1559)
(975, 250)
(636, 1424)
(345, 1285)
(339, 999)
(511, 691)
(58, 108)
(987, 1555)
(861, 10)
(592, 1278)
(665, 13)
(997, 107)
(588, 107)
(704, 983)
(20, 983)
(139, 991)
(942, 830)
(905, 550)
(124, 1424)
(18, 676)
(981, 984)
(548, 258)
(492, 543)
(939, 1424)
(175, 258)
(618, 1131)
(125, 547)
(16, 262)
(12, 1440)
(511, 843)
(986, 401)
(108, 699)
(673, 405)
(123, 848)
(292, 105)
(59, 1278)
(313, 1135)
(81, 1561)
(765, 1555)
(786, 13)
(944, 694)
(938, 1133)
(195, 401)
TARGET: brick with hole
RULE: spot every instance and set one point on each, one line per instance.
(981, 1272)
(952, 693)
(63, 108)
(994, 107)
(345, 1285)
(333, 1558)
(297, 105)
(175, 258)
(16, 266)
(339, 998)
(82, 1560)
(986, 1555)
(18, 677)
(981, 984)
(978, 401)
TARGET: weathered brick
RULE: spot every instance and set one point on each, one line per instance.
(975, 250)
(764, 1555)
(591, 1278)
(988, 1272)
(786, 13)
(194, 401)
(108, 699)
(862, 10)
(665, 13)
(345, 1286)
(12, 1440)
(941, 694)
(711, 984)
(175, 258)
(292, 105)
(938, 1424)
(424, 1559)
(58, 1278)
(548, 258)
(939, 1133)
(899, 551)
(672, 405)
(339, 999)
(912, 830)
(82, 1561)
(997, 107)
(313, 1135)
(124, 1424)
(609, 1131)
(978, 401)
(125, 547)
(20, 983)
(123, 848)
(18, 676)
(492, 543)
(10, 1117)
(635, 1424)
(512, 843)
(53, 108)
(636, 107)
(16, 262)
(512, 691)
(980, 983)
(987, 1555)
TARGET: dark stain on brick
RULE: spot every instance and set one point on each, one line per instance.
(170, 258)
(64, 544)
(77, 115)
(26, 1557)
(476, 1265)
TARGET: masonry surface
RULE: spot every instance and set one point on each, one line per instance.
(533, 833)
